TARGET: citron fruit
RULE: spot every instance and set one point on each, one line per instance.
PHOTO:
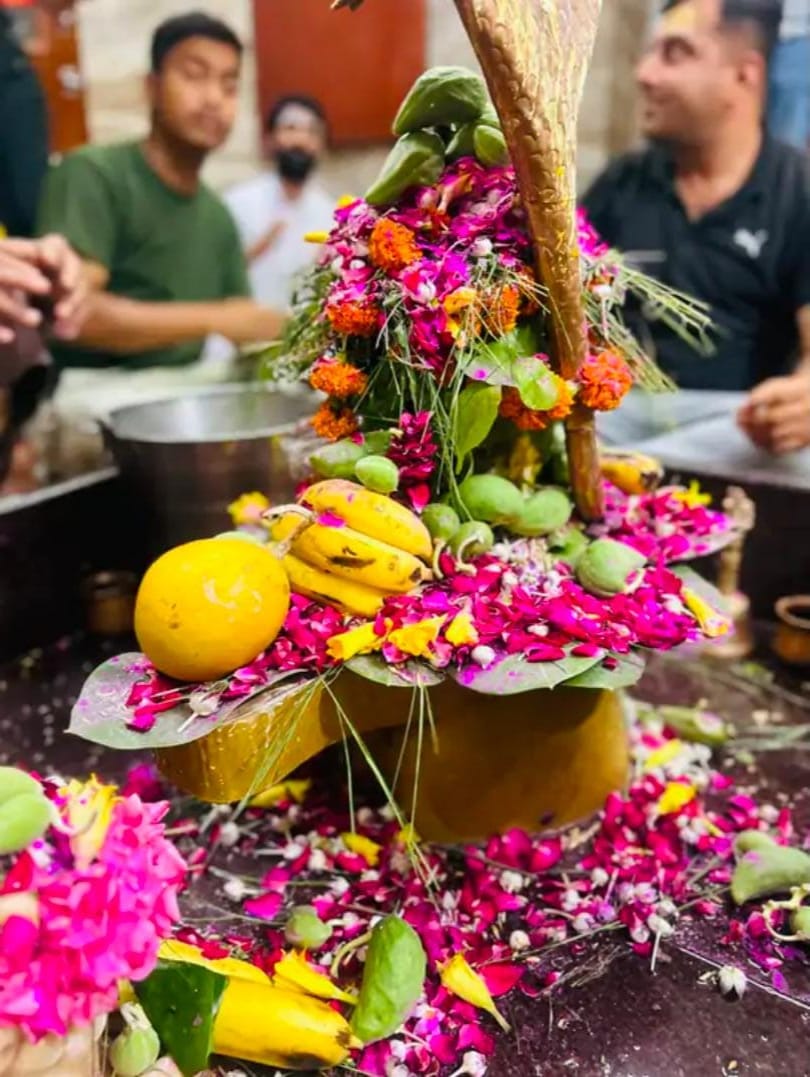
(208, 607)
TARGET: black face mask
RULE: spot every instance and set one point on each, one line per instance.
(294, 164)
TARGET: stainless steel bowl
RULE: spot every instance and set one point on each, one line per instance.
(185, 460)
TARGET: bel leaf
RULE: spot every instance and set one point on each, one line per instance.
(514, 674)
(628, 670)
(181, 1001)
(535, 383)
(476, 412)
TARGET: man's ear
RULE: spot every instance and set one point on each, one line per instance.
(753, 70)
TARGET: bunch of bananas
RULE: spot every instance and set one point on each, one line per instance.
(352, 547)
(632, 472)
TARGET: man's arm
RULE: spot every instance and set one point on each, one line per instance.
(776, 416)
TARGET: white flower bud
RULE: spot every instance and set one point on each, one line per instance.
(599, 877)
(511, 881)
(659, 926)
(234, 889)
(229, 834)
(317, 861)
(482, 655)
(732, 981)
(519, 941)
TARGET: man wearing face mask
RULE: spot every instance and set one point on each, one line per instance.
(275, 210)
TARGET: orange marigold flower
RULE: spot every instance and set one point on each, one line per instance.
(338, 379)
(392, 245)
(512, 407)
(332, 424)
(352, 318)
(501, 312)
(604, 379)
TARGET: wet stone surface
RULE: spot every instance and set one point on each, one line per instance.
(624, 1020)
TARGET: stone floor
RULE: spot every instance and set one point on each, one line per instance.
(626, 1021)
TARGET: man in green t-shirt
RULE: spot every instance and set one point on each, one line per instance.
(161, 252)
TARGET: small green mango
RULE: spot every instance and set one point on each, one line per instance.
(570, 546)
(543, 512)
(800, 922)
(441, 97)
(305, 930)
(416, 159)
(752, 840)
(767, 868)
(490, 498)
(608, 567)
(472, 539)
(14, 781)
(377, 473)
(337, 460)
(490, 145)
(137, 1048)
(23, 819)
(462, 143)
(377, 441)
(441, 521)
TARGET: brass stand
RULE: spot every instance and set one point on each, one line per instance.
(740, 642)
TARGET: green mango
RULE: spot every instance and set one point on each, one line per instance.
(764, 868)
(337, 459)
(543, 512)
(608, 567)
(137, 1048)
(441, 97)
(377, 473)
(23, 819)
(377, 441)
(472, 539)
(800, 922)
(570, 546)
(415, 160)
(393, 980)
(305, 929)
(491, 498)
(490, 145)
(462, 144)
(441, 521)
(14, 781)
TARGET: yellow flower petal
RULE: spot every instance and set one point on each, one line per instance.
(294, 972)
(360, 640)
(346, 200)
(676, 796)
(407, 835)
(89, 811)
(232, 967)
(316, 237)
(248, 508)
(458, 977)
(416, 639)
(712, 622)
(693, 497)
(295, 789)
(663, 755)
(365, 847)
(461, 631)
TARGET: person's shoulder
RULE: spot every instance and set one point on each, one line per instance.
(789, 171)
(217, 211)
(636, 164)
(104, 159)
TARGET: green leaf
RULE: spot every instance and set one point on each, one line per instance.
(707, 591)
(373, 668)
(493, 361)
(629, 670)
(181, 1001)
(100, 714)
(535, 383)
(476, 412)
(514, 675)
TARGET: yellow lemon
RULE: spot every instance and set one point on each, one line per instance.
(208, 607)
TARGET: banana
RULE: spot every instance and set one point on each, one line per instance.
(276, 1027)
(632, 472)
(348, 596)
(344, 552)
(371, 514)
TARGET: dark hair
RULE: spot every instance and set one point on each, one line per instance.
(304, 101)
(759, 18)
(180, 28)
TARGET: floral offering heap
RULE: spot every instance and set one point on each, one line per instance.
(439, 535)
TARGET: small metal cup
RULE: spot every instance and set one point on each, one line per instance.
(792, 640)
(109, 603)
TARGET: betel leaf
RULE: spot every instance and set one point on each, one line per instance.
(535, 383)
(707, 591)
(181, 1001)
(514, 674)
(475, 415)
(101, 714)
(626, 672)
(412, 674)
(493, 361)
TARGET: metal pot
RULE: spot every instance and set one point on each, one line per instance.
(185, 460)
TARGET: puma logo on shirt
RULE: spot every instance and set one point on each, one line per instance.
(751, 242)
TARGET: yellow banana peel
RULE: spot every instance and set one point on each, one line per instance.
(372, 514)
(345, 594)
(232, 967)
(632, 472)
(294, 973)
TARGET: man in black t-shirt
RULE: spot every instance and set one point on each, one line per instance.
(717, 209)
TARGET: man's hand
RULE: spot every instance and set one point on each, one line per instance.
(243, 321)
(45, 270)
(776, 416)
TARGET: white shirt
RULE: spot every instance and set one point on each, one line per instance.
(261, 202)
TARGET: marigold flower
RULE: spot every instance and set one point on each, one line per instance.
(604, 379)
(353, 318)
(337, 379)
(392, 245)
(501, 310)
(334, 425)
(512, 407)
